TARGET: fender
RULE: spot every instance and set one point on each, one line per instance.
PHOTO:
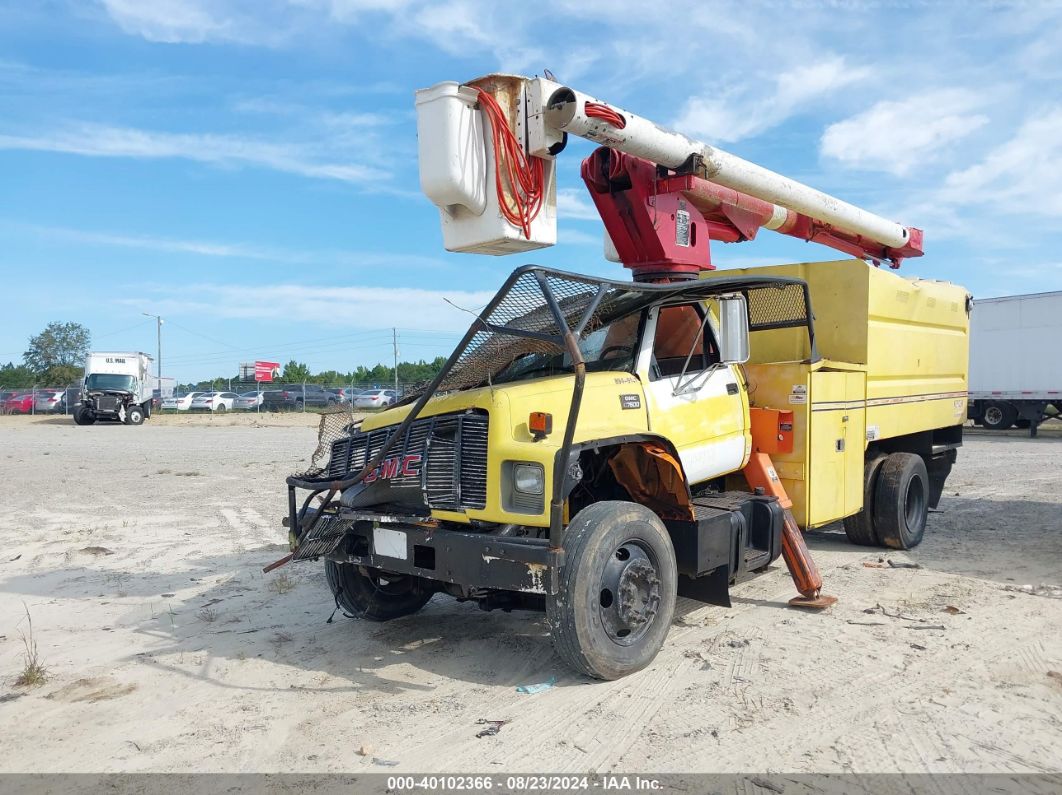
(572, 473)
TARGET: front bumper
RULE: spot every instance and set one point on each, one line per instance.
(410, 545)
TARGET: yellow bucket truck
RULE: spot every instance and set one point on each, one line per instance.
(595, 448)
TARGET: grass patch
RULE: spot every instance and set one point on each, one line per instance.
(282, 583)
(34, 673)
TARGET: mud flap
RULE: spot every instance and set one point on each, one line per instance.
(712, 588)
(938, 468)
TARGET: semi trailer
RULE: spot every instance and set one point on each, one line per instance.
(1015, 361)
(594, 448)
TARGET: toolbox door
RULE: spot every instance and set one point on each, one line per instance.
(838, 441)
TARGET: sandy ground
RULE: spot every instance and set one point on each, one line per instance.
(138, 553)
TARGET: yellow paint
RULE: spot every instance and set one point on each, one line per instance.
(885, 344)
(510, 440)
(908, 338)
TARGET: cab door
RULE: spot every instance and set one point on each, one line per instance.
(693, 400)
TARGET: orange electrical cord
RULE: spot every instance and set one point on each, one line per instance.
(606, 114)
(516, 174)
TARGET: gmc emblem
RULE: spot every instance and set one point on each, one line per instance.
(405, 466)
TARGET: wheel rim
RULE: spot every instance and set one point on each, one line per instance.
(629, 596)
(994, 415)
(914, 502)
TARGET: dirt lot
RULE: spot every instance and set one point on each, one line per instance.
(138, 553)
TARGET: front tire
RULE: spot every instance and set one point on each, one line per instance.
(82, 417)
(375, 595)
(901, 501)
(134, 415)
(617, 590)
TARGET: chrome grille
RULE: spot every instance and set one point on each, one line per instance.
(453, 449)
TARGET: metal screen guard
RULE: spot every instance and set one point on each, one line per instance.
(568, 341)
(769, 308)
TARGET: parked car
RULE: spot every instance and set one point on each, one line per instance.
(297, 396)
(47, 401)
(18, 403)
(345, 393)
(375, 399)
(214, 401)
(181, 402)
(248, 400)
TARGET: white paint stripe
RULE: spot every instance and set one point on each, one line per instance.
(714, 458)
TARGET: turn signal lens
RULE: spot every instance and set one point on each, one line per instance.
(540, 423)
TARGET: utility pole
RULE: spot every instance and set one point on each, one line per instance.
(158, 339)
(394, 342)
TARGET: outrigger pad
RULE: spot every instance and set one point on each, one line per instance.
(820, 602)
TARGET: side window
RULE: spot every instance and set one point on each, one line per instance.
(678, 333)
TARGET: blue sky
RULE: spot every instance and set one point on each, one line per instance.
(247, 168)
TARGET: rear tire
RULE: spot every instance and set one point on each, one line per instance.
(901, 501)
(998, 416)
(374, 595)
(617, 590)
(860, 527)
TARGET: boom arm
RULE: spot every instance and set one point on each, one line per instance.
(734, 196)
(486, 157)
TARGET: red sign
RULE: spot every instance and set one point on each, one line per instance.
(266, 371)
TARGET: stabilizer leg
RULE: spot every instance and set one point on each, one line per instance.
(760, 473)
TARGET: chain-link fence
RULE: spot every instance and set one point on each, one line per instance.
(233, 395)
(219, 396)
(38, 399)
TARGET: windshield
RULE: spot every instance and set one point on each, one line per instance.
(610, 347)
(125, 383)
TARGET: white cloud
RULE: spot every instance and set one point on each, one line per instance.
(355, 307)
(1021, 176)
(206, 248)
(573, 204)
(576, 237)
(900, 136)
(193, 21)
(97, 140)
(737, 114)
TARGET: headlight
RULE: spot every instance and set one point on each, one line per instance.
(529, 478)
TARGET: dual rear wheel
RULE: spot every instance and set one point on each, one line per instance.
(895, 503)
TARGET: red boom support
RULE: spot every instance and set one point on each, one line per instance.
(661, 222)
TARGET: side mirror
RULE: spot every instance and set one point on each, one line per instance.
(733, 329)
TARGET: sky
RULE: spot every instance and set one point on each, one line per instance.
(247, 168)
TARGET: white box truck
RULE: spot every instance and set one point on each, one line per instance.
(117, 386)
(1016, 360)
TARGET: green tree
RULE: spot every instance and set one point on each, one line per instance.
(16, 376)
(57, 355)
(295, 372)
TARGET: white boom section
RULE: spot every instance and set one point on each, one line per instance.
(563, 108)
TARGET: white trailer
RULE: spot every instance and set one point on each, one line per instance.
(1016, 360)
(117, 386)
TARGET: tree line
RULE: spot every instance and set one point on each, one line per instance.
(56, 357)
(296, 372)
